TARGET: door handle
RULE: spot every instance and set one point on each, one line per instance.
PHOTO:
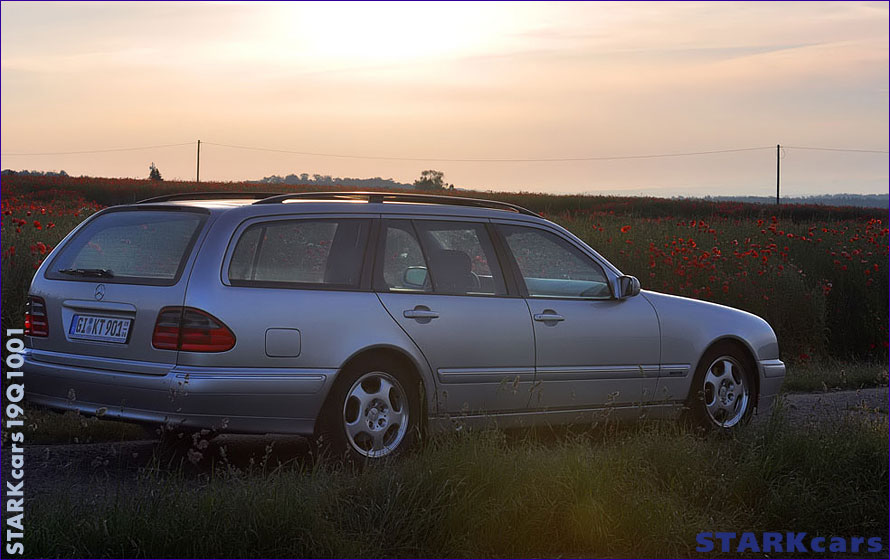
(549, 316)
(420, 314)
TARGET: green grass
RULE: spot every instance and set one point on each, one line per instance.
(642, 491)
(45, 426)
(832, 374)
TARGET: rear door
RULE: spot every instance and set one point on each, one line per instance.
(104, 286)
(442, 282)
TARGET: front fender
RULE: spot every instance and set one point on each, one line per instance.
(689, 327)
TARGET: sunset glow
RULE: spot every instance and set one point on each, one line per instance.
(455, 81)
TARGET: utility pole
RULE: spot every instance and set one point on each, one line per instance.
(778, 156)
(198, 170)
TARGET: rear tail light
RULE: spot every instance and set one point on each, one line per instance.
(36, 323)
(191, 330)
(166, 333)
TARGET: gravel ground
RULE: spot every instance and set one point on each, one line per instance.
(99, 471)
(813, 408)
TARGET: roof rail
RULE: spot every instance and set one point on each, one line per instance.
(399, 197)
(211, 195)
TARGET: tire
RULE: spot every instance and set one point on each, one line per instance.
(722, 395)
(373, 412)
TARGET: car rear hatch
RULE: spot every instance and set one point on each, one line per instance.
(99, 294)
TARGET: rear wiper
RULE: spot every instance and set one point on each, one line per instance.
(97, 272)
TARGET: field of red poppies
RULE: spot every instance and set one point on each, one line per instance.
(819, 275)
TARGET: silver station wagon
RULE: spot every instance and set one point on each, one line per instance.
(365, 318)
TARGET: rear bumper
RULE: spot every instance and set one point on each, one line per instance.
(772, 375)
(241, 400)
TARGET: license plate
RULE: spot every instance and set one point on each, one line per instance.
(103, 329)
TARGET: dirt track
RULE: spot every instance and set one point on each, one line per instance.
(812, 408)
(100, 470)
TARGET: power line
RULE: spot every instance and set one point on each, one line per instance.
(836, 149)
(448, 160)
(487, 160)
(98, 151)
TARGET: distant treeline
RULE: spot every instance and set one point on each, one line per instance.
(61, 173)
(864, 200)
(292, 179)
(328, 181)
(315, 181)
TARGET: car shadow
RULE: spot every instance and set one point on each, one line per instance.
(235, 454)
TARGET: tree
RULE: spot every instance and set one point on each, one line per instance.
(154, 174)
(430, 180)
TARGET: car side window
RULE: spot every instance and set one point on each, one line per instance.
(551, 267)
(461, 257)
(403, 267)
(322, 253)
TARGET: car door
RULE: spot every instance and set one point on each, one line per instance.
(592, 349)
(442, 283)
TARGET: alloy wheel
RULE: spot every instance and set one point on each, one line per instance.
(726, 392)
(375, 414)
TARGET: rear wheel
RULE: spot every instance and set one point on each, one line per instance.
(373, 412)
(722, 395)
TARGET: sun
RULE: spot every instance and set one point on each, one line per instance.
(389, 32)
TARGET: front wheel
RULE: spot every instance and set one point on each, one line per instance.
(722, 394)
(372, 413)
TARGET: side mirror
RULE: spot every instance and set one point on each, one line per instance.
(629, 286)
(415, 276)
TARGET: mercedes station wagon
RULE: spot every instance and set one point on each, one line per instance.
(363, 319)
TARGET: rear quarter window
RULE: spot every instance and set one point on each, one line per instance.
(130, 246)
(325, 253)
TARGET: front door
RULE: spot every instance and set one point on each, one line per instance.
(592, 349)
(441, 282)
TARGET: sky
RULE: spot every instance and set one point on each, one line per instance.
(416, 84)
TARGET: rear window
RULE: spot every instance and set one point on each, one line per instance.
(301, 253)
(132, 247)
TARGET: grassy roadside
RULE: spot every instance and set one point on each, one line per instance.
(642, 491)
(834, 375)
(49, 427)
